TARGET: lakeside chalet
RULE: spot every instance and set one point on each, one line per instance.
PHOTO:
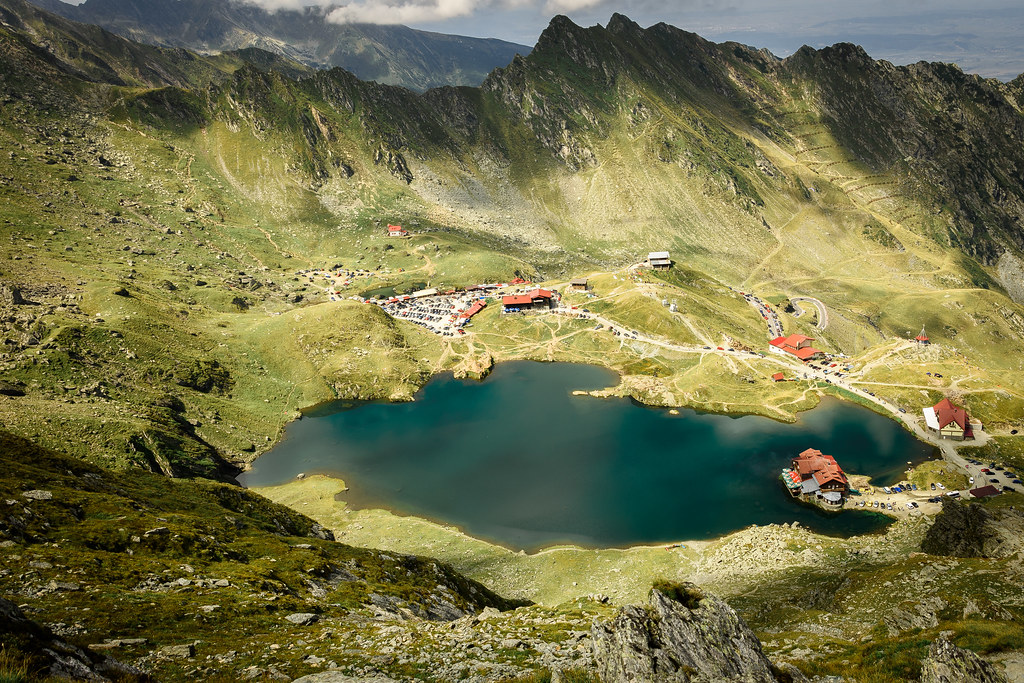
(816, 477)
(948, 421)
(795, 345)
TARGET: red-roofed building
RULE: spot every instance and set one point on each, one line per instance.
(795, 345)
(536, 298)
(950, 421)
(985, 491)
(473, 310)
(820, 476)
(922, 338)
(397, 231)
(779, 377)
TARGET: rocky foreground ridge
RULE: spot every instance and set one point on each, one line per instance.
(106, 575)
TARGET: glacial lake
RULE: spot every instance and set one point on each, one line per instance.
(518, 460)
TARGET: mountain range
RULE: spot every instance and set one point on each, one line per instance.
(396, 55)
(167, 215)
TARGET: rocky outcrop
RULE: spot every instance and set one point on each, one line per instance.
(971, 530)
(51, 656)
(683, 635)
(1010, 273)
(924, 614)
(959, 531)
(947, 663)
(11, 296)
(474, 367)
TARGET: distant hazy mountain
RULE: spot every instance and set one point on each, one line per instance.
(396, 55)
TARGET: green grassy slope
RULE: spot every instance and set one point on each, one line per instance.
(110, 556)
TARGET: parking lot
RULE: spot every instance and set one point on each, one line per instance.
(440, 314)
(984, 474)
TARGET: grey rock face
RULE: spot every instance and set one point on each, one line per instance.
(947, 663)
(702, 640)
(1010, 271)
(922, 615)
(180, 651)
(303, 618)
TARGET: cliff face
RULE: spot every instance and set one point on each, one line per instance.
(956, 136)
(972, 530)
(682, 635)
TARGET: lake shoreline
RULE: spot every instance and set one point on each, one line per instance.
(556, 394)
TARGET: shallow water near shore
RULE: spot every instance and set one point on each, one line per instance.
(518, 460)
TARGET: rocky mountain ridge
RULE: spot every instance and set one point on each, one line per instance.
(396, 55)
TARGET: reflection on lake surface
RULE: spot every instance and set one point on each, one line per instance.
(518, 460)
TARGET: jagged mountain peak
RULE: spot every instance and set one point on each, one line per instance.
(620, 23)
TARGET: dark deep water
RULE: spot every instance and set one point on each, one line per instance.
(518, 460)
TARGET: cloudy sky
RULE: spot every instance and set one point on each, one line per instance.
(983, 36)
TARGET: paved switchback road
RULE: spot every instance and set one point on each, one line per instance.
(822, 311)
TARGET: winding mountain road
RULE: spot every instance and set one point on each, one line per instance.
(822, 311)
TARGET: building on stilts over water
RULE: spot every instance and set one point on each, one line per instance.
(817, 478)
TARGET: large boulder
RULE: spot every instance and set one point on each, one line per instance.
(10, 296)
(682, 635)
(947, 663)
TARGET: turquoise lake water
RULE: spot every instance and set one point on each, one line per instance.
(516, 459)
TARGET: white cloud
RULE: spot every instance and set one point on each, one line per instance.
(420, 11)
(403, 11)
(569, 5)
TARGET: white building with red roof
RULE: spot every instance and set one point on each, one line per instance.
(397, 231)
(950, 421)
(795, 345)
